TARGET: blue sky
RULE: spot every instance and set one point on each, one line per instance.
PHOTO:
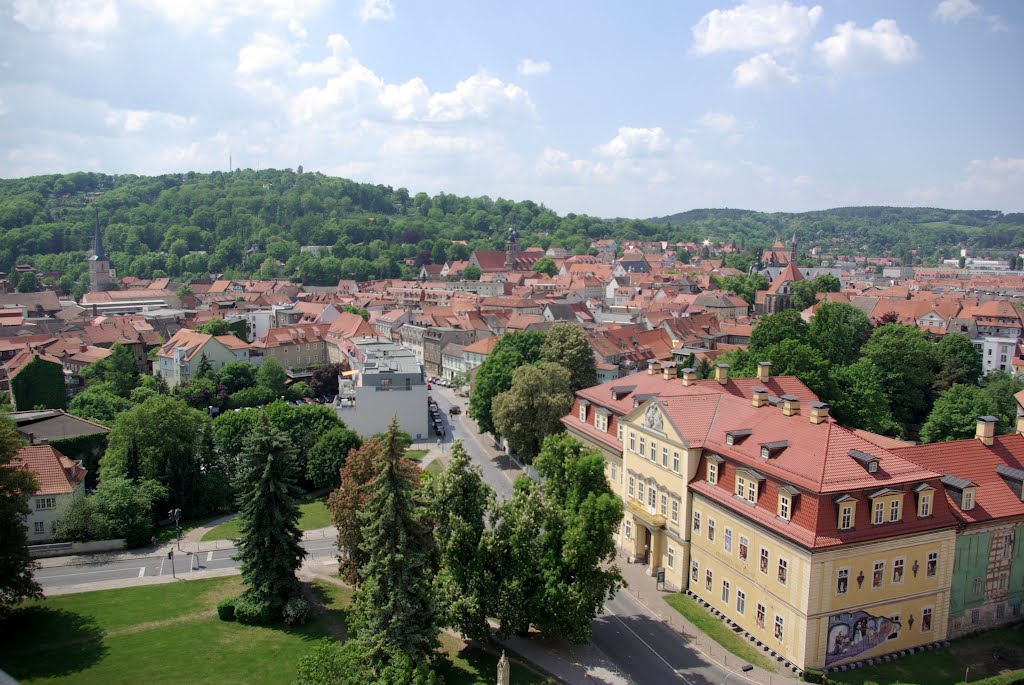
(608, 108)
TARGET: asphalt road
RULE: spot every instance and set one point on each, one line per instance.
(319, 551)
(642, 649)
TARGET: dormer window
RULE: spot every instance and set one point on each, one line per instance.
(868, 461)
(583, 410)
(787, 493)
(772, 449)
(747, 482)
(737, 436)
(846, 506)
(925, 498)
(601, 419)
(713, 461)
(886, 506)
(963, 492)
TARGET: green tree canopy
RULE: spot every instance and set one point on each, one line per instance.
(826, 283)
(566, 345)
(533, 407)
(857, 399)
(99, 403)
(471, 273)
(745, 286)
(838, 330)
(324, 381)
(28, 283)
(804, 295)
(235, 376)
(328, 455)
(1001, 387)
(271, 375)
(119, 371)
(495, 374)
(776, 328)
(16, 487)
(214, 327)
(347, 501)
(459, 503)
(959, 362)
(955, 414)
(906, 362)
(545, 265)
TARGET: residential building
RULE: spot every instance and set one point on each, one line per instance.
(820, 543)
(997, 354)
(59, 479)
(453, 363)
(475, 353)
(180, 357)
(296, 347)
(435, 340)
(385, 381)
(983, 482)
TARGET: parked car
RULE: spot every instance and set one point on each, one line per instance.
(456, 409)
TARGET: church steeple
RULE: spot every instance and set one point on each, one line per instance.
(792, 249)
(97, 239)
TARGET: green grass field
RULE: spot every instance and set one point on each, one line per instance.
(315, 515)
(416, 455)
(718, 631)
(171, 634)
(987, 654)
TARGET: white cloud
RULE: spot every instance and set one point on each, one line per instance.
(998, 175)
(264, 52)
(135, 120)
(75, 24)
(769, 177)
(719, 122)
(636, 143)
(855, 49)
(478, 97)
(376, 10)
(214, 16)
(762, 71)
(4, 109)
(755, 26)
(953, 11)
(420, 141)
(529, 67)
(558, 165)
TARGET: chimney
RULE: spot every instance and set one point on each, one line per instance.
(650, 369)
(83, 347)
(760, 397)
(668, 370)
(689, 377)
(722, 373)
(819, 412)
(790, 405)
(764, 371)
(986, 431)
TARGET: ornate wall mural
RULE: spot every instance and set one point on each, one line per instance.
(853, 634)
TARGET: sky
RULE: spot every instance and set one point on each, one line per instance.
(614, 109)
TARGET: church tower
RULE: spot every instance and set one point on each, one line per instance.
(511, 249)
(792, 249)
(100, 274)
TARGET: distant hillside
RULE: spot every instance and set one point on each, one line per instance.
(934, 233)
(253, 223)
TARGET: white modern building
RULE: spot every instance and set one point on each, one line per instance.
(385, 381)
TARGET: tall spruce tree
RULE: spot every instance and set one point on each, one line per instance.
(459, 503)
(16, 486)
(268, 543)
(395, 611)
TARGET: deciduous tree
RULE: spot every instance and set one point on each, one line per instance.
(857, 399)
(533, 407)
(959, 362)
(776, 328)
(838, 330)
(459, 505)
(495, 374)
(906, 363)
(567, 345)
(328, 455)
(955, 414)
(272, 376)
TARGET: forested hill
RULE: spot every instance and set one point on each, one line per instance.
(935, 233)
(254, 223)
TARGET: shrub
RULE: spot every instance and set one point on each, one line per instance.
(253, 612)
(226, 609)
(812, 675)
(296, 611)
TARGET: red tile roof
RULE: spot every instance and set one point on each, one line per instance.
(972, 460)
(55, 473)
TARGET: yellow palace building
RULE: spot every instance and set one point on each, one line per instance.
(816, 540)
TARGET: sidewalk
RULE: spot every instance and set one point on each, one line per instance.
(642, 588)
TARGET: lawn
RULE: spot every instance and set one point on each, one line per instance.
(987, 654)
(171, 634)
(315, 515)
(718, 631)
(416, 455)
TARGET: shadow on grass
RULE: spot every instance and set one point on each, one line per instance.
(40, 642)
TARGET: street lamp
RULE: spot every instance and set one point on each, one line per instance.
(746, 668)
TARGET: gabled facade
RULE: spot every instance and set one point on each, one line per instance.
(59, 479)
(179, 358)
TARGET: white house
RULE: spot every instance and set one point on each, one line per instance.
(59, 479)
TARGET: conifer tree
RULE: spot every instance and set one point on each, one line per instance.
(16, 486)
(459, 502)
(395, 611)
(268, 544)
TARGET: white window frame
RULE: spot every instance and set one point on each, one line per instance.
(780, 628)
(712, 473)
(583, 413)
(725, 591)
(664, 504)
(842, 574)
(927, 618)
(629, 529)
(643, 446)
(39, 528)
(696, 522)
(968, 500)
(784, 505)
(727, 539)
(675, 510)
(641, 491)
(652, 498)
(898, 569)
(709, 580)
(879, 515)
(671, 554)
(878, 575)
(764, 561)
(711, 529)
(760, 615)
(931, 567)
(895, 510)
(744, 548)
(741, 601)
(846, 517)
(694, 570)
(653, 454)
(924, 507)
(601, 422)
(664, 457)
(632, 441)
(675, 461)
(632, 486)
(783, 571)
